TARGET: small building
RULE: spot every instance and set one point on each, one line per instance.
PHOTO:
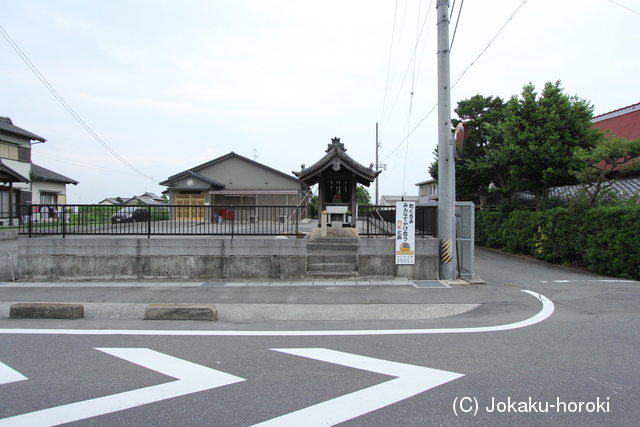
(48, 187)
(427, 191)
(337, 175)
(391, 200)
(234, 180)
(22, 182)
(623, 123)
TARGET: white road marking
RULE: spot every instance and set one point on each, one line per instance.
(191, 377)
(410, 380)
(8, 375)
(544, 313)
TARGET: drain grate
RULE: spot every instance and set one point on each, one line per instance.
(214, 283)
(430, 284)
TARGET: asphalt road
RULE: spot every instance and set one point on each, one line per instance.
(577, 366)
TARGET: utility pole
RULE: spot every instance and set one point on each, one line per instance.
(446, 160)
(377, 163)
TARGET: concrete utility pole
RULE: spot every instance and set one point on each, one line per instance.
(446, 160)
(377, 164)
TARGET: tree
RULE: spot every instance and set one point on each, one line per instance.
(313, 206)
(540, 135)
(362, 196)
(612, 155)
(474, 173)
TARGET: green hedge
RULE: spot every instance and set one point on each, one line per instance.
(605, 239)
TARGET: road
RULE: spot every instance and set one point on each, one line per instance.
(575, 363)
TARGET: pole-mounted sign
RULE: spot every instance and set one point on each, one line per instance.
(405, 232)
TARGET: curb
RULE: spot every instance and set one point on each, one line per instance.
(72, 311)
(44, 310)
(180, 312)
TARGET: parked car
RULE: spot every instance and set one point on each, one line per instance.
(130, 214)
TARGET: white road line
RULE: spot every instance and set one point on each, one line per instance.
(192, 378)
(544, 313)
(410, 380)
(8, 375)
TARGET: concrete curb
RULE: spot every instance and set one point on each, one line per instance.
(180, 312)
(34, 310)
(245, 312)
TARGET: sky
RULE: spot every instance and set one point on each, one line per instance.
(169, 85)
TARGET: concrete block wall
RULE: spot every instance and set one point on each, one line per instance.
(376, 257)
(178, 258)
(169, 258)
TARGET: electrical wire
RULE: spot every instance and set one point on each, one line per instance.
(76, 163)
(493, 39)
(456, 27)
(66, 106)
(624, 7)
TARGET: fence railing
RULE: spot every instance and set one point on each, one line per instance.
(159, 220)
(380, 220)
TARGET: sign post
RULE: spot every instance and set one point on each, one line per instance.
(405, 233)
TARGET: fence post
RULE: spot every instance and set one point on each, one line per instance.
(149, 223)
(231, 221)
(64, 221)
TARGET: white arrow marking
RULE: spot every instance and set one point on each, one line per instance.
(410, 381)
(8, 375)
(192, 378)
(545, 312)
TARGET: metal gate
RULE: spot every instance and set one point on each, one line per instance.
(465, 224)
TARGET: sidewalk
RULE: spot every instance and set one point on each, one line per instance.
(245, 301)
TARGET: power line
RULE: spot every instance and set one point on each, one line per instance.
(624, 7)
(493, 39)
(456, 27)
(66, 106)
(76, 163)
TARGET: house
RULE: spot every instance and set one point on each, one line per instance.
(234, 180)
(48, 187)
(623, 122)
(145, 199)
(427, 191)
(22, 182)
(391, 200)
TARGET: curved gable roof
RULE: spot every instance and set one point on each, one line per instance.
(336, 153)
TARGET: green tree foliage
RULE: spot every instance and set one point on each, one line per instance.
(602, 160)
(313, 206)
(363, 198)
(474, 172)
(540, 135)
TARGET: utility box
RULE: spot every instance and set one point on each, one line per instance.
(465, 240)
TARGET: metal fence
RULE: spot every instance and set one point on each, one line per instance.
(380, 220)
(147, 220)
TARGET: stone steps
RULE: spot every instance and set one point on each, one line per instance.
(332, 257)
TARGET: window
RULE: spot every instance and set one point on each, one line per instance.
(48, 199)
(24, 154)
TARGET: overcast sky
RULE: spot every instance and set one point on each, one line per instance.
(168, 85)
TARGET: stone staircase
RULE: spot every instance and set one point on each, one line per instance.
(332, 257)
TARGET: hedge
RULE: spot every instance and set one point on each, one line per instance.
(605, 239)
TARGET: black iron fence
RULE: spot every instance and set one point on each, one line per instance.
(380, 220)
(159, 220)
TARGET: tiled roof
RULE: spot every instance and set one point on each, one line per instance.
(336, 152)
(7, 125)
(192, 171)
(38, 173)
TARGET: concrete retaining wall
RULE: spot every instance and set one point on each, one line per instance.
(163, 258)
(376, 257)
(177, 258)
